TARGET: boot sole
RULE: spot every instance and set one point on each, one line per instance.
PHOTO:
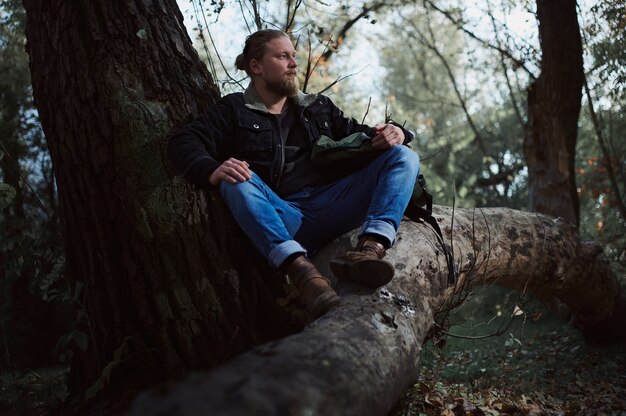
(368, 272)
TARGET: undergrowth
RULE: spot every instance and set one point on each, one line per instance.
(541, 366)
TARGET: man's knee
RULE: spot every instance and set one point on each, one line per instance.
(406, 156)
(252, 185)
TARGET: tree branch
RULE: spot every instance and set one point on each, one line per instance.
(605, 152)
(347, 26)
(341, 363)
(291, 17)
(430, 45)
(257, 16)
(517, 62)
(518, 113)
(501, 177)
(309, 68)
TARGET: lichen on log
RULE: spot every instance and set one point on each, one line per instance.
(359, 358)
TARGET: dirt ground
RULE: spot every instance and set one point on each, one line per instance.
(540, 365)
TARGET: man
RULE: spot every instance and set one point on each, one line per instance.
(255, 147)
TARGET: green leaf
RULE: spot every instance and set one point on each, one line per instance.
(62, 342)
(78, 289)
(7, 195)
(106, 373)
(81, 340)
(93, 390)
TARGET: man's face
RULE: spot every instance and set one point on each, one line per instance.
(278, 67)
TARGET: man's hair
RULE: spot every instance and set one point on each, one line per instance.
(255, 47)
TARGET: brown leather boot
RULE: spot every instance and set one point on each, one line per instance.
(364, 265)
(316, 290)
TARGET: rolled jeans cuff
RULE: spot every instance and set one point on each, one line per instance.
(279, 254)
(379, 228)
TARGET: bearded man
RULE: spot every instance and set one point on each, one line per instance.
(256, 147)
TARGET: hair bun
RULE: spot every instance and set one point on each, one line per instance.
(254, 47)
(240, 63)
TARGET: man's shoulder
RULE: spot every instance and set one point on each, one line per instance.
(232, 98)
(228, 104)
(312, 100)
(303, 99)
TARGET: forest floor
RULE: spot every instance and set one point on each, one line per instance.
(540, 365)
(32, 392)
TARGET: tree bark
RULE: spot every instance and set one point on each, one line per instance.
(164, 287)
(553, 110)
(359, 358)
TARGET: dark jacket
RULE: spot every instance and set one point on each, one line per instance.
(240, 126)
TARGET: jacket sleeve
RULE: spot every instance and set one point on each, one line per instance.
(344, 126)
(197, 149)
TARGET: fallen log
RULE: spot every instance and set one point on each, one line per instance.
(361, 357)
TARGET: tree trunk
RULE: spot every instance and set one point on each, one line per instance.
(359, 358)
(553, 110)
(164, 289)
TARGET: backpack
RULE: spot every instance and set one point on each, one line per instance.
(420, 209)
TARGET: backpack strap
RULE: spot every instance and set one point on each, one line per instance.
(416, 213)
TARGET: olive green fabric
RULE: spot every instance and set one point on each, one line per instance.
(326, 147)
(344, 156)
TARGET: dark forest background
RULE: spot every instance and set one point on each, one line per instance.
(461, 79)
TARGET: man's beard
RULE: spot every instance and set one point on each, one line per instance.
(286, 87)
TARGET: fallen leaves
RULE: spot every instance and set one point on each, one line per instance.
(550, 374)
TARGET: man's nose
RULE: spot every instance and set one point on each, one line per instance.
(292, 62)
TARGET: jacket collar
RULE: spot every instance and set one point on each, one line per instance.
(254, 102)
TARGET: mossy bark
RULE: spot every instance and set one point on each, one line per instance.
(165, 289)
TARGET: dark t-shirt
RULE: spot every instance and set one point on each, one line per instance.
(298, 171)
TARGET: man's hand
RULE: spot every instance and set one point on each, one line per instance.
(387, 136)
(231, 171)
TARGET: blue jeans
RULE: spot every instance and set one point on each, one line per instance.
(375, 197)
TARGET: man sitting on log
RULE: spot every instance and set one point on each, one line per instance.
(256, 147)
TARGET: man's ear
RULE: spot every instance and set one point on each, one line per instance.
(255, 68)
